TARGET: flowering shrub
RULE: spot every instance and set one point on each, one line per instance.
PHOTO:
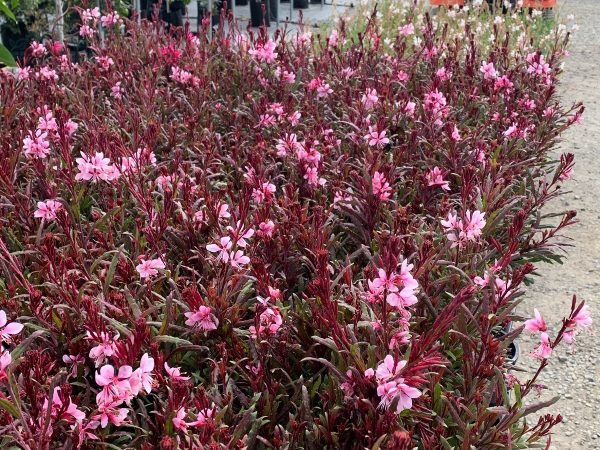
(527, 29)
(252, 243)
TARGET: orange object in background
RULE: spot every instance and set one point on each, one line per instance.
(539, 3)
(446, 2)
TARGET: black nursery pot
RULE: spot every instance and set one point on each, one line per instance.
(241, 2)
(301, 4)
(256, 13)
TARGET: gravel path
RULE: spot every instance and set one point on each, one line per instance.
(574, 373)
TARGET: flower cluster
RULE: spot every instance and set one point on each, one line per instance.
(580, 319)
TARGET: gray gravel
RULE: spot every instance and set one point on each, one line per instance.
(574, 372)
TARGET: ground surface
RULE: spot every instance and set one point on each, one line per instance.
(574, 373)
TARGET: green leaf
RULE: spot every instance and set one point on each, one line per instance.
(517, 391)
(445, 443)
(172, 340)
(111, 271)
(437, 398)
(8, 13)
(10, 408)
(20, 349)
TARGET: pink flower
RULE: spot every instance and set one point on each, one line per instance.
(583, 317)
(377, 138)
(204, 415)
(23, 73)
(294, 118)
(503, 82)
(71, 412)
(223, 212)
(222, 248)
(110, 19)
(47, 74)
(106, 348)
(109, 413)
(133, 164)
(274, 293)
(474, 224)
(181, 76)
(370, 98)
(238, 259)
(265, 193)
(333, 39)
(239, 235)
(443, 74)
(86, 31)
(115, 386)
(74, 361)
(369, 373)
(289, 144)
(38, 49)
(407, 394)
(312, 176)
(544, 350)
(116, 90)
(8, 329)
(175, 373)
(324, 90)
(537, 65)
(435, 104)
(409, 109)
(435, 177)
(381, 188)
(388, 369)
(5, 361)
(405, 297)
(141, 378)
(264, 52)
(105, 62)
(179, 420)
(569, 336)
(397, 389)
(150, 268)
(269, 323)
(88, 15)
(455, 134)
(202, 318)
(400, 338)
(406, 30)
(71, 127)
(47, 210)
(47, 122)
(537, 323)
(37, 145)
(460, 231)
(512, 131)
(96, 168)
(566, 174)
(488, 71)
(387, 391)
(266, 228)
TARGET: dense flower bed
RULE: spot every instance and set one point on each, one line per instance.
(256, 243)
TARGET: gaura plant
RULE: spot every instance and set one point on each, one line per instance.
(276, 242)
